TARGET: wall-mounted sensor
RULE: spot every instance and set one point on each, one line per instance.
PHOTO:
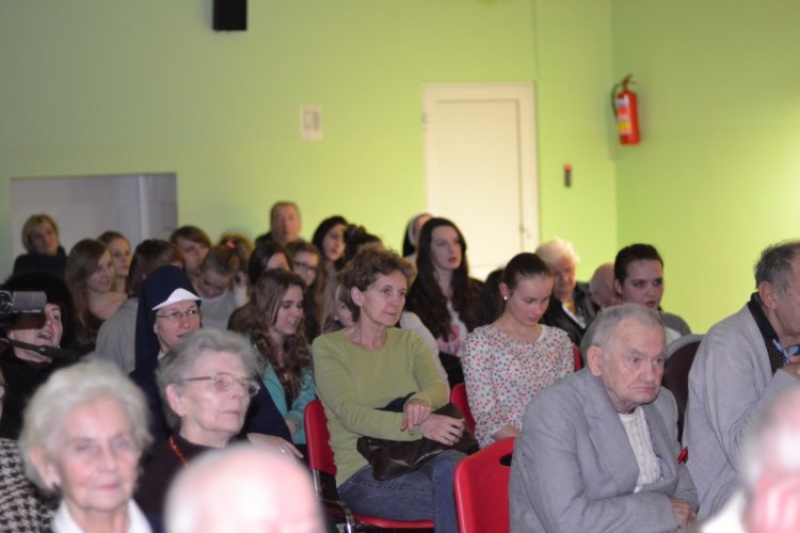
(567, 175)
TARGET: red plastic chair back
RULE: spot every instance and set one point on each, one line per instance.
(481, 489)
(458, 397)
(320, 460)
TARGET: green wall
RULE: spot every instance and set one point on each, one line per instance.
(95, 87)
(716, 177)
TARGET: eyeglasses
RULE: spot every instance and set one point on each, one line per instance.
(305, 267)
(177, 316)
(223, 382)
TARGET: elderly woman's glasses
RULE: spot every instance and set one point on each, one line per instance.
(177, 316)
(222, 382)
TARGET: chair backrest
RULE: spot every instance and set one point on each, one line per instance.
(680, 356)
(319, 452)
(458, 397)
(481, 489)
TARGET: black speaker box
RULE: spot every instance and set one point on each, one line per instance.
(230, 15)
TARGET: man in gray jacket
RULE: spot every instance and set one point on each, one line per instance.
(742, 365)
(599, 452)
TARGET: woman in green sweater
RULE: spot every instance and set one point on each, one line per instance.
(365, 366)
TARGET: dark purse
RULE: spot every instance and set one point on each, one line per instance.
(391, 458)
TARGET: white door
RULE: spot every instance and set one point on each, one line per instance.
(480, 167)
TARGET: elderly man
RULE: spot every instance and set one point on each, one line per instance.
(770, 499)
(284, 223)
(571, 307)
(243, 488)
(599, 452)
(742, 365)
(602, 289)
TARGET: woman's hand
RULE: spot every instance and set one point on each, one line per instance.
(415, 412)
(271, 441)
(291, 425)
(443, 429)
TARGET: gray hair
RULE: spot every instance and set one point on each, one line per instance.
(554, 250)
(179, 363)
(773, 440)
(66, 390)
(605, 324)
(775, 264)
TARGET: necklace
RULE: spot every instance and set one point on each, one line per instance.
(174, 446)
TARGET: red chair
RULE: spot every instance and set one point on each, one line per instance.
(481, 489)
(320, 459)
(458, 397)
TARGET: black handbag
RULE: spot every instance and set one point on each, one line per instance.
(391, 458)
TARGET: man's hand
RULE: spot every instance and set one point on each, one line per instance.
(683, 512)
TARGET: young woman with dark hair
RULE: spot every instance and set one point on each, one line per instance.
(515, 357)
(443, 295)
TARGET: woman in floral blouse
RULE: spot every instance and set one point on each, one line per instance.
(513, 358)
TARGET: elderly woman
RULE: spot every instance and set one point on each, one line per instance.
(45, 253)
(207, 381)
(367, 365)
(26, 369)
(84, 432)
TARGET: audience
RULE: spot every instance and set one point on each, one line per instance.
(769, 501)
(284, 224)
(90, 275)
(207, 381)
(507, 362)
(84, 432)
(117, 335)
(120, 250)
(194, 245)
(598, 451)
(275, 327)
(45, 253)
(243, 489)
(595, 451)
(25, 370)
(639, 278)
(601, 287)
(571, 307)
(364, 367)
(744, 362)
(443, 295)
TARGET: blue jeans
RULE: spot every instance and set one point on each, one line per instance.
(422, 494)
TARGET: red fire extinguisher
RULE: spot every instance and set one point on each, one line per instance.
(623, 102)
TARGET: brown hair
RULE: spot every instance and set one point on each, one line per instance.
(81, 264)
(293, 357)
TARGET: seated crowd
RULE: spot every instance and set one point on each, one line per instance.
(165, 384)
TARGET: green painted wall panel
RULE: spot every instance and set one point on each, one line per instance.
(716, 176)
(94, 87)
